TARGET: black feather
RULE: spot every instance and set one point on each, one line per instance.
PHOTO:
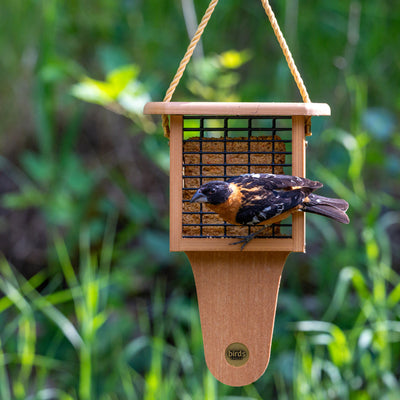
(328, 211)
(259, 208)
(273, 181)
(316, 199)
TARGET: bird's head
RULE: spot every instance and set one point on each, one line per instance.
(214, 192)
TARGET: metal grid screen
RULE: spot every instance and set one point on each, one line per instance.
(217, 148)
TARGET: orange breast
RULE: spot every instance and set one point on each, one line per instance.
(229, 209)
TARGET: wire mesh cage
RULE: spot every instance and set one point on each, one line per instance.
(219, 148)
(218, 141)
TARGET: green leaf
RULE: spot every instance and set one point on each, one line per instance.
(394, 296)
(119, 78)
(228, 80)
(233, 59)
(28, 197)
(41, 169)
(121, 86)
(133, 97)
(92, 91)
(338, 347)
(98, 321)
(58, 68)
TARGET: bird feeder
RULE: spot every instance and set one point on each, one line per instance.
(237, 288)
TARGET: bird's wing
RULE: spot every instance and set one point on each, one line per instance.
(260, 206)
(275, 182)
(266, 196)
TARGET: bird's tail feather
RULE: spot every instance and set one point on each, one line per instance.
(332, 208)
(316, 200)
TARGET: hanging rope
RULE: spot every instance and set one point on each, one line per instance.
(286, 52)
(189, 52)
(186, 58)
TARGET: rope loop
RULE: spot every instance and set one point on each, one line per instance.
(192, 45)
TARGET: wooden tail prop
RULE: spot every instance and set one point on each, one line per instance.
(237, 295)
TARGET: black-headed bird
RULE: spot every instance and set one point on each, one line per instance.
(266, 199)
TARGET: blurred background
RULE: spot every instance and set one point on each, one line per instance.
(93, 305)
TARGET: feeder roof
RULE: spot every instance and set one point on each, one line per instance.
(237, 108)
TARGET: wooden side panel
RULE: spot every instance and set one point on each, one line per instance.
(226, 245)
(298, 146)
(298, 169)
(237, 296)
(175, 194)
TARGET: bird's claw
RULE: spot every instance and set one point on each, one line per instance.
(247, 238)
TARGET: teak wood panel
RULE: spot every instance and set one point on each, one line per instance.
(176, 183)
(177, 243)
(236, 108)
(237, 295)
(298, 169)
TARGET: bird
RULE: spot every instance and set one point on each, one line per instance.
(265, 199)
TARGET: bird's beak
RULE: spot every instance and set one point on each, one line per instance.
(199, 197)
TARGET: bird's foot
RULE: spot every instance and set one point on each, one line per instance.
(248, 238)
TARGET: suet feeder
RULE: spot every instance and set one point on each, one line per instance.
(237, 289)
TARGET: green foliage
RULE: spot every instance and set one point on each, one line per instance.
(53, 187)
(121, 92)
(212, 78)
(355, 362)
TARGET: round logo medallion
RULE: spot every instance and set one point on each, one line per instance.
(237, 354)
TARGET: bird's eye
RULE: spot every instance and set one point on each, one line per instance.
(212, 191)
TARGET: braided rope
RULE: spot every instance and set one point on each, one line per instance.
(286, 52)
(186, 58)
(189, 52)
